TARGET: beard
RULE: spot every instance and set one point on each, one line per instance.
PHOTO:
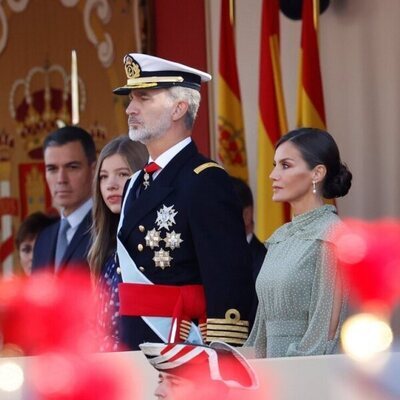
(139, 132)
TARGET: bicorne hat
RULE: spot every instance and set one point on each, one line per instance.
(216, 362)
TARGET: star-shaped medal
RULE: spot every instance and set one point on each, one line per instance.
(173, 240)
(152, 238)
(166, 217)
(162, 258)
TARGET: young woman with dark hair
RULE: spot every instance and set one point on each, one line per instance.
(118, 160)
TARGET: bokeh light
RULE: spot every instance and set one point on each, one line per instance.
(365, 336)
(54, 318)
(49, 313)
(11, 377)
(351, 248)
(54, 375)
(65, 376)
(368, 254)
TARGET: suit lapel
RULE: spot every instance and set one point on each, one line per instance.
(138, 208)
(83, 230)
(50, 255)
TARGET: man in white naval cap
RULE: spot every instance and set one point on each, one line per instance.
(182, 247)
(199, 372)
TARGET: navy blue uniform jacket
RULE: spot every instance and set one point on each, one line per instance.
(212, 243)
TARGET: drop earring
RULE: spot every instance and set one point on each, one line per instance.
(314, 187)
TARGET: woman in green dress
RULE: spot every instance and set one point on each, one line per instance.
(302, 299)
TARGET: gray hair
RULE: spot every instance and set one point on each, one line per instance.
(192, 97)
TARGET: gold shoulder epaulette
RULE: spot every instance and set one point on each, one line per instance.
(206, 165)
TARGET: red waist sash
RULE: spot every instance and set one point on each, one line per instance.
(181, 303)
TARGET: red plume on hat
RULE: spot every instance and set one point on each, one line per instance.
(217, 362)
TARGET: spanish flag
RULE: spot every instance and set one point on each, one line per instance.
(272, 120)
(231, 139)
(310, 101)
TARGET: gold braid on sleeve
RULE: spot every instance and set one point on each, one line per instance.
(230, 329)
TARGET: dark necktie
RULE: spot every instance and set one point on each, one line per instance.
(62, 241)
(149, 170)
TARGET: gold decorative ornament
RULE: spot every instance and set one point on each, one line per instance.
(132, 68)
(232, 315)
(230, 329)
(206, 165)
(184, 331)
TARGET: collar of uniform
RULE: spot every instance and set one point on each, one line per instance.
(163, 159)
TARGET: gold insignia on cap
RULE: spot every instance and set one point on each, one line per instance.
(137, 81)
(151, 81)
(132, 68)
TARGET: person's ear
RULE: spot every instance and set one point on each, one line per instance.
(180, 110)
(319, 173)
(248, 217)
(93, 168)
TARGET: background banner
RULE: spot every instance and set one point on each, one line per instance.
(36, 41)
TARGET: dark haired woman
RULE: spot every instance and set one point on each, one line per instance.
(26, 236)
(302, 301)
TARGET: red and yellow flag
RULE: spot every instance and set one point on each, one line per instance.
(310, 97)
(231, 139)
(310, 101)
(272, 120)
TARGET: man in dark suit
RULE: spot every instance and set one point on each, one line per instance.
(182, 248)
(69, 157)
(257, 249)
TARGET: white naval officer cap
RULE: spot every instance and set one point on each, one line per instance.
(144, 71)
